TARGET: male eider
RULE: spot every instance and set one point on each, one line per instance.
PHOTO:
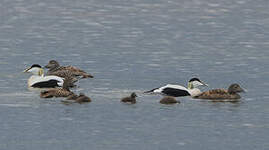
(62, 71)
(58, 92)
(169, 100)
(178, 90)
(217, 94)
(38, 80)
(130, 99)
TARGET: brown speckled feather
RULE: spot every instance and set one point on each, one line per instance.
(74, 71)
(217, 94)
(54, 66)
(55, 93)
(65, 74)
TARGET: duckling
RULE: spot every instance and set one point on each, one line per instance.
(82, 98)
(131, 99)
(55, 69)
(231, 93)
(58, 92)
(169, 100)
(73, 96)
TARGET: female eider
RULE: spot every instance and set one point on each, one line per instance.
(130, 99)
(169, 100)
(38, 80)
(178, 90)
(217, 94)
(58, 92)
(81, 98)
(55, 69)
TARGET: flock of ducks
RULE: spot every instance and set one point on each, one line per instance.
(59, 79)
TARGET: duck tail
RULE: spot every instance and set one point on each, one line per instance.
(150, 91)
(87, 76)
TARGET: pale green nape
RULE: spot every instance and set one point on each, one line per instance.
(190, 85)
(41, 72)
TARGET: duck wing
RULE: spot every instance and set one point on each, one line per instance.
(214, 94)
(79, 72)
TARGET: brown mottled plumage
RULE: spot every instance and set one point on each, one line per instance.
(231, 93)
(169, 100)
(55, 93)
(58, 92)
(130, 99)
(55, 69)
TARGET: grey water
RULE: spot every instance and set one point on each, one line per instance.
(134, 46)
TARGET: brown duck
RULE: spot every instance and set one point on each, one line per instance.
(130, 99)
(169, 100)
(63, 71)
(81, 98)
(58, 92)
(231, 93)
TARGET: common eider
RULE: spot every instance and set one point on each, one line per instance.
(178, 90)
(58, 92)
(62, 71)
(218, 94)
(130, 99)
(38, 80)
(169, 100)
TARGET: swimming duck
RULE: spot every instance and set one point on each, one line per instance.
(38, 80)
(178, 90)
(231, 93)
(63, 71)
(82, 98)
(73, 96)
(58, 92)
(130, 99)
(169, 100)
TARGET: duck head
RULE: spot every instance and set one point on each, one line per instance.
(52, 64)
(35, 69)
(235, 88)
(195, 82)
(133, 95)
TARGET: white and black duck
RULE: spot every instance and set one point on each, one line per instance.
(179, 90)
(38, 80)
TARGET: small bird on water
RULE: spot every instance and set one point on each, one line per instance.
(81, 98)
(130, 99)
(169, 100)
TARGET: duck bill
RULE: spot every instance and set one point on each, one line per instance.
(26, 70)
(204, 84)
(243, 90)
(47, 66)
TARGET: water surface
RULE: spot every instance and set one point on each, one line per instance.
(133, 46)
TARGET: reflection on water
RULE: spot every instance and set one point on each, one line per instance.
(133, 46)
